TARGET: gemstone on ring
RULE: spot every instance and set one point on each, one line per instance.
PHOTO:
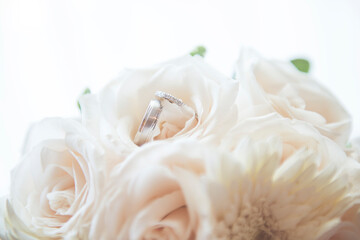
(169, 97)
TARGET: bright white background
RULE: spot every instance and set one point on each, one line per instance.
(50, 50)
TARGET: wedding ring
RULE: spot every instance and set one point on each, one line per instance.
(148, 123)
(185, 108)
(150, 120)
(170, 98)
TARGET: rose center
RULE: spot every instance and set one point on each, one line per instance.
(61, 201)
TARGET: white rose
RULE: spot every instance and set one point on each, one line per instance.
(118, 111)
(294, 134)
(154, 194)
(55, 184)
(293, 95)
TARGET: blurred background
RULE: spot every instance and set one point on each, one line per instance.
(51, 50)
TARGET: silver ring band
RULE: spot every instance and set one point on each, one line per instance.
(148, 123)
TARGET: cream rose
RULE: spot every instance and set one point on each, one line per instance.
(293, 94)
(294, 134)
(155, 194)
(115, 115)
(55, 184)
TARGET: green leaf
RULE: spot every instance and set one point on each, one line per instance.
(200, 50)
(86, 91)
(302, 65)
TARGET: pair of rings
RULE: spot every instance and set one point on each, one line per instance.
(148, 124)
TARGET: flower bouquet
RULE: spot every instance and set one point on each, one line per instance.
(181, 151)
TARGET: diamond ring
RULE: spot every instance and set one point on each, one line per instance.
(151, 117)
(170, 98)
(185, 108)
